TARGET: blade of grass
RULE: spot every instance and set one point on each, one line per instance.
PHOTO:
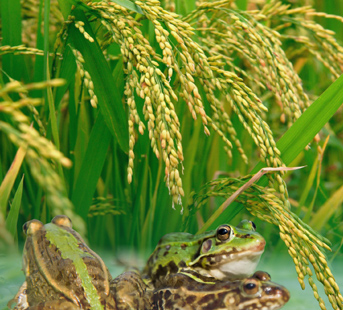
(314, 196)
(129, 5)
(48, 92)
(91, 167)
(242, 4)
(327, 210)
(46, 66)
(138, 210)
(108, 96)
(12, 218)
(298, 136)
(67, 72)
(13, 65)
(184, 7)
(39, 63)
(8, 182)
(190, 157)
(308, 185)
(66, 5)
(6, 238)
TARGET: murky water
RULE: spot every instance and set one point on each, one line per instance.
(281, 270)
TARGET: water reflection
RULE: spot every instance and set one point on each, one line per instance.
(281, 270)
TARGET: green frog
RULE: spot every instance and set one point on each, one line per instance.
(226, 253)
(61, 271)
(253, 293)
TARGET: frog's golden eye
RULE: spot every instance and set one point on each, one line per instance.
(32, 226)
(62, 220)
(224, 232)
(262, 275)
(251, 286)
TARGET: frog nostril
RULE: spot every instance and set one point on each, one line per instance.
(268, 290)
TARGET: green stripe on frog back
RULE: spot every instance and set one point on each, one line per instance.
(68, 246)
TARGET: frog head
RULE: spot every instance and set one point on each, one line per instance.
(229, 252)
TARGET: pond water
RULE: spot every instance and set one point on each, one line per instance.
(281, 270)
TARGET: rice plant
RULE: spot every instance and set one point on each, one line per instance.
(117, 113)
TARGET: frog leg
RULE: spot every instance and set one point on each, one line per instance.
(20, 298)
(130, 291)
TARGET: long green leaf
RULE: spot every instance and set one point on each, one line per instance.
(13, 65)
(129, 5)
(108, 96)
(298, 136)
(67, 72)
(8, 182)
(12, 218)
(91, 167)
(66, 5)
(327, 210)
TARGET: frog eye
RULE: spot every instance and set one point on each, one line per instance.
(32, 226)
(251, 286)
(62, 220)
(262, 275)
(248, 225)
(224, 232)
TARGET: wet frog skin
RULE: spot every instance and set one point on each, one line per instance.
(223, 254)
(254, 293)
(61, 271)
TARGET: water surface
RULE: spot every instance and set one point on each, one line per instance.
(281, 270)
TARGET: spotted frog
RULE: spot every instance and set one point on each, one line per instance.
(253, 293)
(61, 271)
(226, 253)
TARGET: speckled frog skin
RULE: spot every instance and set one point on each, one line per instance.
(61, 271)
(223, 254)
(254, 293)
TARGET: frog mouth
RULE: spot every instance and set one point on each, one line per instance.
(237, 264)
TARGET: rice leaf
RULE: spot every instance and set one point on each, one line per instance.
(8, 182)
(13, 65)
(129, 5)
(108, 96)
(297, 137)
(67, 72)
(12, 218)
(91, 167)
(321, 217)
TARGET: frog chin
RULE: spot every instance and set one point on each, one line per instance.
(241, 267)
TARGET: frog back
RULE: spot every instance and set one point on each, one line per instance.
(60, 265)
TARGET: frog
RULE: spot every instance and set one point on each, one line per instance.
(226, 253)
(61, 271)
(252, 293)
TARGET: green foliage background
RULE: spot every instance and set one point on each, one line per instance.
(117, 214)
(88, 178)
(136, 213)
